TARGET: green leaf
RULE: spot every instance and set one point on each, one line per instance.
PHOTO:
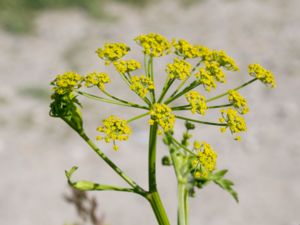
(227, 185)
(70, 173)
(218, 175)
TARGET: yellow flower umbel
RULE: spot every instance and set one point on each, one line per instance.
(206, 160)
(234, 122)
(238, 101)
(224, 60)
(179, 69)
(126, 66)
(67, 82)
(197, 102)
(141, 85)
(206, 79)
(114, 129)
(213, 68)
(184, 49)
(154, 45)
(163, 115)
(262, 74)
(96, 79)
(112, 52)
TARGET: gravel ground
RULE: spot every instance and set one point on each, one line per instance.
(36, 149)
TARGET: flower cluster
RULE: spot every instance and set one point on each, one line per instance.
(184, 49)
(114, 129)
(206, 79)
(112, 52)
(141, 85)
(154, 45)
(163, 115)
(67, 82)
(179, 69)
(238, 101)
(96, 79)
(224, 60)
(213, 68)
(197, 102)
(126, 66)
(206, 160)
(262, 74)
(234, 122)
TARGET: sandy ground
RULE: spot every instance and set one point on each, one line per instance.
(36, 149)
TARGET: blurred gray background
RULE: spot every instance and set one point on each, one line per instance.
(39, 39)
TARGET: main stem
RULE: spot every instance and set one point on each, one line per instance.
(153, 196)
(182, 214)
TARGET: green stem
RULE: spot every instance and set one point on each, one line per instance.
(151, 75)
(182, 146)
(200, 121)
(152, 158)
(187, 107)
(226, 93)
(182, 214)
(158, 208)
(137, 117)
(133, 184)
(127, 104)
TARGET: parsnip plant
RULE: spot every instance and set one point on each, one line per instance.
(195, 69)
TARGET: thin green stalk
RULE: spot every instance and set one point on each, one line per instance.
(200, 121)
(187, 107)
(98, 98)
(226, 93)
(99, 187)
(158, 208)
(182, 146)
(137, 117)
(166, 87)
(151, 75)
(132, 183)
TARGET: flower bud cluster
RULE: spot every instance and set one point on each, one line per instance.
(163, 115)
(141, 85)
(262, 74)
(126, 66)
(96, 79)
(238, 101)
(112, 52)
(67, 82)
(114, 129)
(179, 69)
(197, 102)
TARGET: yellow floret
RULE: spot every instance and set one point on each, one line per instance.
(112, 52)
(224, 60)
(214, 69)
(114, 129)
(206, 79)
(126, 66)
(197, 102)
(179, 69)
(206, 160)
(238, 101)
(141, 85)
(184, 49)
(262, 74)
(163, 115)
(154, 45)
(234, 122)
(96, 79)
(67, 82)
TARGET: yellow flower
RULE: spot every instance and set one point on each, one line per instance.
(234, 122)
(180, 69)
(262, 74)
(114, 129)
(206, 79)
(238, 101)
(184, 49)
(154, 45)
(141, 85)
(205, 53)
(206, 160)
(126, 66)
(163, 115)
(214, 69)
(67, 82)
(96, 79)
(112, 52)
(224, 60)
(197, 102)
